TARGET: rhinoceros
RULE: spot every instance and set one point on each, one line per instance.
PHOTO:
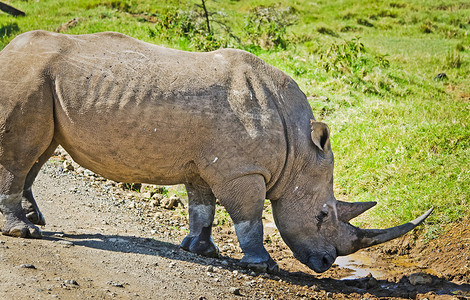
(224, 123)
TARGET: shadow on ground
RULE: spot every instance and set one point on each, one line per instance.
(361, 286)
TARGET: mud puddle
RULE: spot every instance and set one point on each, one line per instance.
(360, 265)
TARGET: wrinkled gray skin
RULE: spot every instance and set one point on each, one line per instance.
(224, 123)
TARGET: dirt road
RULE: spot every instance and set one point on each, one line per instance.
(102, 243)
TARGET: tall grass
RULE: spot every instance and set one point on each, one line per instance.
(401, 135)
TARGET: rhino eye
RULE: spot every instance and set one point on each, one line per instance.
(324, 210)
(322, 216)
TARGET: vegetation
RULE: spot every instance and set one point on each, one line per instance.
(372, 70)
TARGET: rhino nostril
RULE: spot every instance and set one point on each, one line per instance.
(321, 263)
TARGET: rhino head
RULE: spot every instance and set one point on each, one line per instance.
(324, 231)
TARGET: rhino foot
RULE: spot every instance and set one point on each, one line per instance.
(36, 218)
(269, 266)
(200, 246)
(22, 229)
(31, 209)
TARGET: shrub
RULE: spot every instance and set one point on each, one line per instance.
(8, 30)
(266, 26)
(351, 62)
(188, 25)
(453, 59)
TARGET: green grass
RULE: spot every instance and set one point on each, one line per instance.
(400, 135)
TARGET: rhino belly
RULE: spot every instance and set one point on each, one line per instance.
(121, 155)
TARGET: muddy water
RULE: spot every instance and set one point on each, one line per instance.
(360, 264)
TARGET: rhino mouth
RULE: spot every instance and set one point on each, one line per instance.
(320, 262)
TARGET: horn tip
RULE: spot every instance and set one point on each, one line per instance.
(423, 217)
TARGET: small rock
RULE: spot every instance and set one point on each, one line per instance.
(68, 165)
(65, 243)
(235, 291)
(420, 279)
(441, 76)
(250, 283)
(71, 282)
(224, 263)
(146, 195)
(372, 282)
(170, 203)
(150, 188)
(118, 240)
(315, 288)
(210, 269)
(115, 284)
(88, 173)
(158, 215)
(165, 202)
(172, 265)
(28, 266)
(158, 197)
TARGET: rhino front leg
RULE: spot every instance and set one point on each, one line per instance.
(201, 216)
(244, 200)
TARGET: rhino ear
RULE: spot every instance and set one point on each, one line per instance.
(320, 135)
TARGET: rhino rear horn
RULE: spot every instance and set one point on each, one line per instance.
(320, 135)
(349, 210)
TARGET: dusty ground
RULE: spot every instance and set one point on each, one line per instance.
(103, 242)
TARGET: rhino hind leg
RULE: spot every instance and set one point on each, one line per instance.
(26, 136)
(244, 200)
(11, 194)
(29, 204)
(201, 216)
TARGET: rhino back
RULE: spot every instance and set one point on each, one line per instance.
(132, 111)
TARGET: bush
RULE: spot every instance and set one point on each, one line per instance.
(266, 26)
(351, 62)
(188, 25)
(453, 59)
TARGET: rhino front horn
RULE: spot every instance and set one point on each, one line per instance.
(370, 237)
